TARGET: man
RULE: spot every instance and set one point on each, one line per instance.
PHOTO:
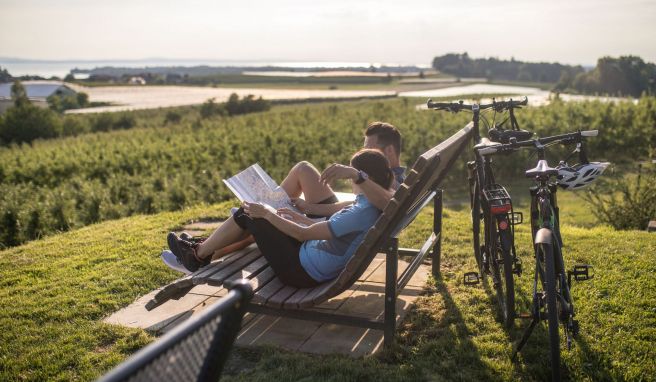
(379, 135)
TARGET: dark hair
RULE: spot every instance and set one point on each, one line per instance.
(386, 134)
(375, 164)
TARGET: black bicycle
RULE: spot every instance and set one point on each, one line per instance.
(552, 300)
(494, 244)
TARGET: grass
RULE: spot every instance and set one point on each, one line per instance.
(54, 293)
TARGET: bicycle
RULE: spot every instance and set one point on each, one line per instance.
(491, 204)
(554, 301)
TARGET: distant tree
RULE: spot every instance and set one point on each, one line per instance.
(19, 94)
(210, 108)
(5, 76)
(26, 122)
(61, 103)
(82, 99)
(624, 76)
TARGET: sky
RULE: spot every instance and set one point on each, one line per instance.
(403, 32)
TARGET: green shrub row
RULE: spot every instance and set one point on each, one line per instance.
(171, 158)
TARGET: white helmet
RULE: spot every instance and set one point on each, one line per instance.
(580, 175)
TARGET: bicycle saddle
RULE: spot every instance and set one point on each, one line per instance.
(486, 143)
(504, 136)
(542, 169)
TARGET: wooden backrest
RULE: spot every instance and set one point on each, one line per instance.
(415, 192)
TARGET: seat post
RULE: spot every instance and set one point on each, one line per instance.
(437, 229)
(391, 270)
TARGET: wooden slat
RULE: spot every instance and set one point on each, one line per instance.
(250, 270)
(216, 266)
(298, 296)
(262, 295)
(218, 277)
(248, 273)
(281, 296)
(410, 179)
(263, 278)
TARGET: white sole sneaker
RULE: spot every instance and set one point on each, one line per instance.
(172, 262)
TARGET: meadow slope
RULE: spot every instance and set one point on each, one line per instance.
(54, 293)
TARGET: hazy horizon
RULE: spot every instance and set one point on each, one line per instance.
(562, 31)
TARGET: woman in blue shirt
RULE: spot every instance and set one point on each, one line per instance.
(302, 252)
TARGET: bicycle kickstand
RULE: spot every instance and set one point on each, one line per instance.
(524, 339)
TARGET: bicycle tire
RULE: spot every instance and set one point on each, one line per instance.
(507, 280)
(476, 226)
(552, 308)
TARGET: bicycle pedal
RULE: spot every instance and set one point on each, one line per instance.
(471, 278)
(581, 272)
(517, 267)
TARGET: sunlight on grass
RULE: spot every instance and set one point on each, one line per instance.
(55, 292)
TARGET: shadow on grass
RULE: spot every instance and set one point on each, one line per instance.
(533, 360)
(436, 339)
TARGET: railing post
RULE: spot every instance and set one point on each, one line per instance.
(437, 229)
(391, 270)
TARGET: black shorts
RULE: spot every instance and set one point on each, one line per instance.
(280, 250)
(330, 200)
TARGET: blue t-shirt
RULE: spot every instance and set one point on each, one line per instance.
(324, 259)
(399, 175)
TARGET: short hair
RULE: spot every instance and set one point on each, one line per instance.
(386, 134)
(375, 164)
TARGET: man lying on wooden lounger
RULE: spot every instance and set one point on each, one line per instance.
(319, 198)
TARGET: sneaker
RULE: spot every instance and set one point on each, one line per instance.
(173, 262)
(192, 239)
(185, 252)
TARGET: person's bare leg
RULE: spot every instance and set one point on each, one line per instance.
(305, 178)
(227, 233)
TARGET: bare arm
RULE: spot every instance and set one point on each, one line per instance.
(321, 209)
(317, 231)
(377, 195)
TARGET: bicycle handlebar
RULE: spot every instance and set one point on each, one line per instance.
(455, 107)
(564, 138)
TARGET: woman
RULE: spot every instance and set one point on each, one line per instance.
(302, 252)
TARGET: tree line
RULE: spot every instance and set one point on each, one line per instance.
(623, 76)
(461, 65)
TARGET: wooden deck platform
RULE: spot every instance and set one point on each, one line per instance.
(365, 298)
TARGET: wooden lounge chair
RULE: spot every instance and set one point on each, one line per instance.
(195, 350)
(274, 298)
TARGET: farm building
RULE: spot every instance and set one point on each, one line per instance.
(37, 91)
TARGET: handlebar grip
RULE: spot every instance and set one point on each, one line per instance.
(589, 133)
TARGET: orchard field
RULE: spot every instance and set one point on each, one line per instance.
(157, 162)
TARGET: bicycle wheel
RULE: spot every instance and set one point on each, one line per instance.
(476, 226)
(506, 289)
(545, 251)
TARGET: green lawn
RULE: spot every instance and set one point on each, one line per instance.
(54, 293)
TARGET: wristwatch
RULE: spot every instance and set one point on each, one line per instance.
(362, 176)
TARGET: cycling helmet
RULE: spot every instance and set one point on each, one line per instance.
(580, 175)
